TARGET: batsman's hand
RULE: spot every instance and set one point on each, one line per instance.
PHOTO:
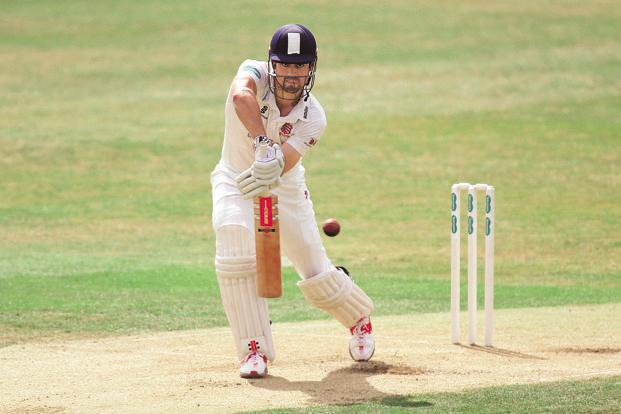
(264, 174)
(251, 187)
(269, 161)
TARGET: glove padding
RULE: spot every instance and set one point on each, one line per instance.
(251, 187)
(264, 174)
(268, 163)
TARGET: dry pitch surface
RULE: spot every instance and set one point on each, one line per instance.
(194, 371)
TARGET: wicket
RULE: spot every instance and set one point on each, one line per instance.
(472, 261)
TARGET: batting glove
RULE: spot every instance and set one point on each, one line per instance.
(264, 174)
(268, 163)
(251, 187)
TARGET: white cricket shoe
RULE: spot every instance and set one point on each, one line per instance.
(254, 366)
(362, 343)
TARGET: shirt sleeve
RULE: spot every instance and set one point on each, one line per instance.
(257, 71)
(308, 133)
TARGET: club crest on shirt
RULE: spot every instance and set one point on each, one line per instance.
(311, 142)
(285, 131)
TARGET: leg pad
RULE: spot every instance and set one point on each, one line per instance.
(246, 312)
(336, 293)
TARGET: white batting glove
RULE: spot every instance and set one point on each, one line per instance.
(264, 174)
(251, 187)
(268, 163)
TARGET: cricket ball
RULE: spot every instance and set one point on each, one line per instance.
(331, 227)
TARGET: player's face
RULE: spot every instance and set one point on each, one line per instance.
(291, 77)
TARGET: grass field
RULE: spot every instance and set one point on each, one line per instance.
(111, 119)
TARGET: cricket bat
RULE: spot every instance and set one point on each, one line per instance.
(267, 241)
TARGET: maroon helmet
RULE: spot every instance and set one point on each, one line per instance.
(293, 43)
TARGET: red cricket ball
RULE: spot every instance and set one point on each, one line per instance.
(331, 227)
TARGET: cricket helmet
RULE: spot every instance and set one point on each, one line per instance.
(293, 43)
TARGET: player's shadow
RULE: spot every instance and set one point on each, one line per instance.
(347, 385)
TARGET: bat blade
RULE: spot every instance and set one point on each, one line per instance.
(267, 242)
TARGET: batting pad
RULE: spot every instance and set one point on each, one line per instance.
(247, 313)
(336, 293)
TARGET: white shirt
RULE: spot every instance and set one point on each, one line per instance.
(301, 129)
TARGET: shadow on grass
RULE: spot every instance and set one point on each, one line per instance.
(405, 401)
(348, 385)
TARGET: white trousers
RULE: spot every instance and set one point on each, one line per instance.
(300, 240)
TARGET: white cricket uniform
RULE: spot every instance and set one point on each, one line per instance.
(302, 129)
(322, 284)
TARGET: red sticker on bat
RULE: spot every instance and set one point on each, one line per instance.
(265, 211)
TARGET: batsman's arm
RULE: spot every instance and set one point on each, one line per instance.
(244, 96)
(247, 109)
(292, 156)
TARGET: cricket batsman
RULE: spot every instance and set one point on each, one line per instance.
(271, 103)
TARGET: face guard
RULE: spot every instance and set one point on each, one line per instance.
(292, 43)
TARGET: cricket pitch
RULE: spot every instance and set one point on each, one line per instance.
(196, 371)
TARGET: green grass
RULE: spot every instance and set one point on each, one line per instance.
(173, 298)
(111, 119)
(602, 395)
